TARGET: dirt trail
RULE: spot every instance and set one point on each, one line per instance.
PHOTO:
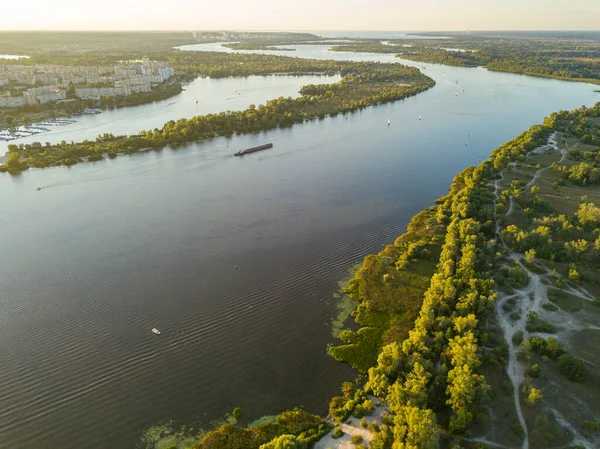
(530, 298)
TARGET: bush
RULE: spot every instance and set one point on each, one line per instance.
(550, 307)
(363, 423)
(591, 426)
(572, 367)
(373, 426)
(237, 413)
(356, 439)
(337, 432)
(549, 348)
(534, 396)
(517, 338)
(534, 371)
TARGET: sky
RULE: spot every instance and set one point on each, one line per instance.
(392, 15)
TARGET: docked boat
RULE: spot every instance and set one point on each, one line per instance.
(92, 111)
(156, 331)
(266, 146)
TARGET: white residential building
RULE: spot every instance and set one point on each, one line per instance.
(12, 102)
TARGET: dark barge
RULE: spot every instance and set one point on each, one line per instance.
(266, 146)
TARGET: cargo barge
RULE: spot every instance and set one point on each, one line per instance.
(266, 146)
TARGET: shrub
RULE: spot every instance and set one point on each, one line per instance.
(534, 371)
(517, 338)
(337, 432)
(356, 439)
(363, 423)
(373, 426)
(591, 426)
(534, 396)
(572, 367)
(550, 307)
(237, 413)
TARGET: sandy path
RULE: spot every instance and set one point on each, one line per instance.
(352, 427)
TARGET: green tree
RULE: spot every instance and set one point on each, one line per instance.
(237, 413)
(534, 396)
(284, 442)
(530, 255)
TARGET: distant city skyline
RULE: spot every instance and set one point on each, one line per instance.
(388, 15)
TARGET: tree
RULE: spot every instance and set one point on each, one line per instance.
(237, 413)
(415, 428)
(574, 275)
(535, 192)
(534, 396)
(284, 442)
(572, 367)
(530, 255)
(588, 214)
(14, 160)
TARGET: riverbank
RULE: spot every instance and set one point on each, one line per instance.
(563, 59)
(485, 315)
(528, 307)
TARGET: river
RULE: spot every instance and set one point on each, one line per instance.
(109, 250)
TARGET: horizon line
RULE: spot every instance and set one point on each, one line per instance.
(292, 30)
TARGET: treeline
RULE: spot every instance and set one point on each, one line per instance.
(268, 45)
(430, 379)
(26, 42)
(566, 59)
(293, 429)
(364, 84)
(389, 289)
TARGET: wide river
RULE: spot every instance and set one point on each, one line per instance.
(109, 250)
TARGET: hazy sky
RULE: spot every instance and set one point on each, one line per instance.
(401, 15)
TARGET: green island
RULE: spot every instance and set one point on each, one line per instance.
(570, 58)
(363, 84)
(476, 326)
(258, 46)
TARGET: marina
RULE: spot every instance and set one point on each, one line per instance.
(24, 131)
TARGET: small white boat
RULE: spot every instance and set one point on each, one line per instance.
(420, 117)
(156, 331)
(389, 122)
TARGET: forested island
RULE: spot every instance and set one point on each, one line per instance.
(571, 57)
(363, 84)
